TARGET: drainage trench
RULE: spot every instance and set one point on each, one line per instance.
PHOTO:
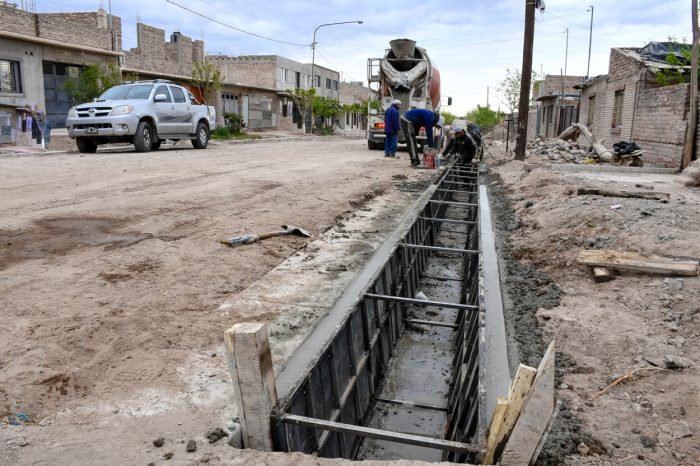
(393, 371)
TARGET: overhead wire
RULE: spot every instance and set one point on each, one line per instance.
(234, 27)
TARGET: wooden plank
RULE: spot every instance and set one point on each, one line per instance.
(633, 261)
(398, 437)
(516, 398)
(499, 414)
(602, 274)
(656, 196)
(534, 417)
(250, 363)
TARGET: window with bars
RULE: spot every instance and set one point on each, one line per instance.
(328, 83)
(335, 85)
(10, 76)
(617, 108)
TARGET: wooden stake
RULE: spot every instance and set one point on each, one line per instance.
(250, 363)
(534, 418)
(633, 261)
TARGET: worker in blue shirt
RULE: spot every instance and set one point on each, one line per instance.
(392, 126)
(411, 123)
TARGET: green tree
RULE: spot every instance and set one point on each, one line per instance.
(484, 117)
(207, 77)
(326, 108)
(303, 99)
(509, 89)
(449, 117)
(679, 58)
(92, 82)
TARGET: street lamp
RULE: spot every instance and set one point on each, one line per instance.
(313, 45)
(590, 40)
(313, 60)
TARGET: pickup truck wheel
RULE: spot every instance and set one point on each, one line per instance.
(156, 145)
(201, 137)
(143, 139)
(86, 146)
(371, 145)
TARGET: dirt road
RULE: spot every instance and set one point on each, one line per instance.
(110, 275)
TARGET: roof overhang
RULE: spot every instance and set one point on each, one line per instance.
(58, 44)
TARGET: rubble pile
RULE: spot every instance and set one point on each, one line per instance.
(560, 151)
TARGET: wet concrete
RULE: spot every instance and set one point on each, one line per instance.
(421, 371)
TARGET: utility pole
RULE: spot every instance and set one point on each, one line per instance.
(590, 41)
(693, 116)
(487, 96)
(525, 79)
(566, 54)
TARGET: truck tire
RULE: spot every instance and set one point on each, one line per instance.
(371, 145)
(156, 145)
(86, 146)
(143, 139)
(201, 137)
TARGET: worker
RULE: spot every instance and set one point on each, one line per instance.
(463, 144)
(411, 122)
(392, 126)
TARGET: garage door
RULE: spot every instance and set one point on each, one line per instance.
(58, 102)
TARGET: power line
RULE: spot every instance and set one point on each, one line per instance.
(234, 27)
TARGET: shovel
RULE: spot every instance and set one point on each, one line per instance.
(253, 237)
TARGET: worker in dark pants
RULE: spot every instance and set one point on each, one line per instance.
(463, 144)
(411, 123)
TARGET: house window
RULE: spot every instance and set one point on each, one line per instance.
(10, 76)
(284, 107)
(328, 83)
(335, 85)
(617, 108)
(283, 75)
(317, 78)
(591, 110)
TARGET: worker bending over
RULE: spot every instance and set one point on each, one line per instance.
(411, 123)
(463, 143)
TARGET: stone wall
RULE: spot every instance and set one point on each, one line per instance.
(153, 54)
(660, 124)
(622, 64)
(86, 29)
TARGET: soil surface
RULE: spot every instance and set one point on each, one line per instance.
(111, 276)
(628, 328)
(112, 281)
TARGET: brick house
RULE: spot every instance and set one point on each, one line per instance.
(628, 104)
(557, 104)
(256, 85)
(154, 58)
(355, 93)
(38, 52)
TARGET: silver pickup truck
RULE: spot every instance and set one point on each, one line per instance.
(144, 113)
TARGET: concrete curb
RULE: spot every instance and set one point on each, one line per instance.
(599, 168)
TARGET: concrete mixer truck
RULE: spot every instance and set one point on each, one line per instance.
(405, 73)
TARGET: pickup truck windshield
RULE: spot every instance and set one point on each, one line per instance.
(128, 92)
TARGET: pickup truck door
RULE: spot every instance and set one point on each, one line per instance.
(183, 109)
(165, 112)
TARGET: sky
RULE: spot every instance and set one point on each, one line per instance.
(472, 43)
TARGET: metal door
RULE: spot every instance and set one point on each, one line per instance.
(166, 113)
(57, 101)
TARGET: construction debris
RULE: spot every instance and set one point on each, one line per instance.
(560, 151)
(636, 262)
(691, 175)
(630, 194)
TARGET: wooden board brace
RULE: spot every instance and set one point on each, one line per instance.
(633, 261)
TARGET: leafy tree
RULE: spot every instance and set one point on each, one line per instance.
(326, 108)
(509, 89)
(303, 99)
(449, 117)
(92, 82)
(207, 78)
(484, 117)
(679, 57)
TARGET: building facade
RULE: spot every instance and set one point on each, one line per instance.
(557, 104)
(628, 104)
(38, 53)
